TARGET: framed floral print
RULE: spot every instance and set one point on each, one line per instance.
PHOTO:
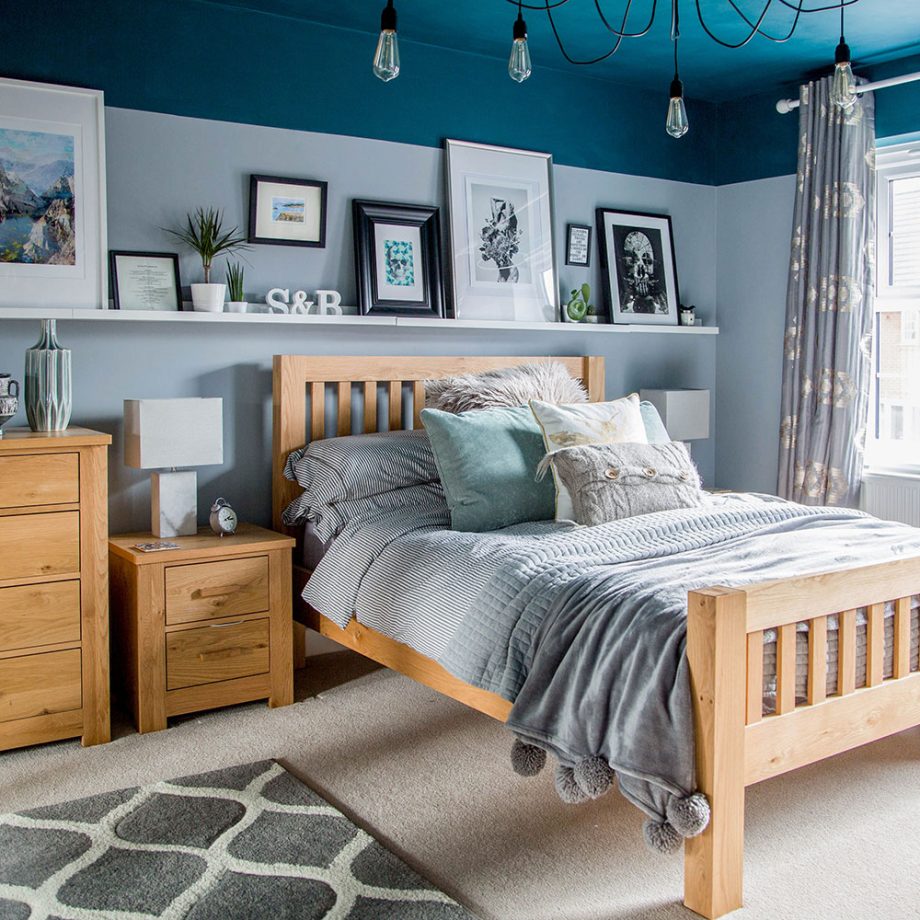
(398, 259)
(501, 233)
(53, 248)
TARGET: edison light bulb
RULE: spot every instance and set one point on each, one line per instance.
(386, 57)
(677, 124)
(519, 67)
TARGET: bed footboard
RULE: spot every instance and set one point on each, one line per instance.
(739, 744)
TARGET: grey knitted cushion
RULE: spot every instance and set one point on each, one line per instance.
(612, 481)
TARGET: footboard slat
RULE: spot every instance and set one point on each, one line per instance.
(395, 408)
(846, 653)
(755, 676)
(344, 425)
(875, 645)
(817, 660)
(370, 406)
(418, 402)
(785, 669)
(902, 637)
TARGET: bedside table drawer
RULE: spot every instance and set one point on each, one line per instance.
(217, 652)
(206, 590)
(38, 684)
(33, 545)
(39, 479)
(32, 615)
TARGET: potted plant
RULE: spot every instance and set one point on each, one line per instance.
(237, 302)
(205, 233)
(578, 308)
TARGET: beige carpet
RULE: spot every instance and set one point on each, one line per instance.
(431, 779)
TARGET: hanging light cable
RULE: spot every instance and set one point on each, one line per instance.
(677, 124)
(843, 85)
(519, 67)
(386, 57)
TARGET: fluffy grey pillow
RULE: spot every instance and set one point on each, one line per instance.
(608, 482)
(548, 381)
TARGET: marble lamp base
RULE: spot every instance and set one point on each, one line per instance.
(174, 503)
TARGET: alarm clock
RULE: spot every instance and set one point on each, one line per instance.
(223, 518)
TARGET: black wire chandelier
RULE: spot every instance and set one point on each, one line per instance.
(843, 86)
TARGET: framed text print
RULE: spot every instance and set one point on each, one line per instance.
(501, 233)
(52, 196)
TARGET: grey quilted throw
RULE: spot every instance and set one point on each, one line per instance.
(586, 632)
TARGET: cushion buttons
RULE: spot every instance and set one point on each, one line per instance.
(684, 476)
(650, 473)
(612, 473)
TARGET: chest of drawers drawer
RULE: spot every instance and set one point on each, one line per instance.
(205, 590)
(217, 652)
(39, 479)
(37, 685)
(43, 614)
(37, 545)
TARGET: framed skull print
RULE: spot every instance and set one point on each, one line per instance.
(639, 269)
(501, 233)
(398, 259)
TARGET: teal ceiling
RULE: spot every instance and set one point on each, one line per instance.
(877, 30)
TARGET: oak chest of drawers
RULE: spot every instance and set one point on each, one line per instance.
(54, 623)
(205, 625)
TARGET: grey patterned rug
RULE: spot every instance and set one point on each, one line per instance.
(245, 842)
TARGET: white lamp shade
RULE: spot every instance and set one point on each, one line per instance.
(685, 413)
(162, 433)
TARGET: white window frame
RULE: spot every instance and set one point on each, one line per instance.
(897, 162)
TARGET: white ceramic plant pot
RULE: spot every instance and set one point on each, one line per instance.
(208, 298)
(237, 306)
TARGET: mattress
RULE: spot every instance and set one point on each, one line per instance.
(416, 582)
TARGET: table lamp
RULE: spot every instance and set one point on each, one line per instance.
(685, 413)
(163, 434)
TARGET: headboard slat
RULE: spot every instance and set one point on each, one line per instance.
(294, 376)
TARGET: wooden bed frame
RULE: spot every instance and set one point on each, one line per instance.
(737, 743)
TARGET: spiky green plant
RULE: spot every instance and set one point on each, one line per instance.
(204, 232)
(235, 281)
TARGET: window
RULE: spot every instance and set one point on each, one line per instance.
(894, 430)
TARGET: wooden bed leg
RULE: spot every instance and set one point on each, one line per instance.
(716, 651)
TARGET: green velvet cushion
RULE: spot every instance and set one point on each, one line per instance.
(488, 463)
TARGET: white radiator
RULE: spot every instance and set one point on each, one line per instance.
(893, 497)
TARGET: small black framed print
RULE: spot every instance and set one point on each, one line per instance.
(287, 212)
(145, 281)
(578, 245)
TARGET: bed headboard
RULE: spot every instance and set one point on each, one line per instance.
(370, 394)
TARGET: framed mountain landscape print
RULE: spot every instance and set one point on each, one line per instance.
(52, 196)
(501, 233)
(398, 259)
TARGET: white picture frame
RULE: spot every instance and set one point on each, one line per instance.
(53, 248)
(501, 233)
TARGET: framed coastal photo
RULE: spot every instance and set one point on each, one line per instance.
(398, 259)
(502, 258)
(52, 196)
(578, 245)
(145, 281)
(638, 267)
(287, 212)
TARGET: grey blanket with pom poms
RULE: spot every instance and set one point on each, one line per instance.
(587, 634)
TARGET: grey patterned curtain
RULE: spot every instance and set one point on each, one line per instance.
(826, 366)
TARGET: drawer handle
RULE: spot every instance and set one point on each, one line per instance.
(226, 625)
(216, 592)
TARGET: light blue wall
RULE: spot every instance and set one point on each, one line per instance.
(159, 165)
(754, 222)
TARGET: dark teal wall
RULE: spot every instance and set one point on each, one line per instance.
(756, 142)
(188, 58)
(185, 57)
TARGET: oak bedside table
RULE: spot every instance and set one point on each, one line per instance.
(54, 596)
(205, 625)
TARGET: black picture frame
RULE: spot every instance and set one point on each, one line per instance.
(254, 209)
(116, 254)
(568, 245)
(425, 220)
(661, 270)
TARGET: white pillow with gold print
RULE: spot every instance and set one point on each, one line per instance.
(616, 422)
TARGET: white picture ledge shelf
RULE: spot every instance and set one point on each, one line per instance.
(141, 316)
